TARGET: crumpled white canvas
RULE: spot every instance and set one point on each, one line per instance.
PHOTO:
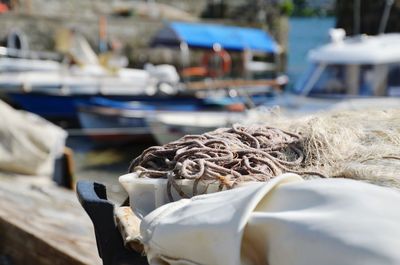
(29, 144)
(287, 221)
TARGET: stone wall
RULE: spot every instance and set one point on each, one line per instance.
(70, 8)
(91, 8)
(194, 7)
(40, 30)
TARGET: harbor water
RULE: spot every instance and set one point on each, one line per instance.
(304, 35)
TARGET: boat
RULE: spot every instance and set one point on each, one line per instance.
(53, 94)
(360, 66)
(218, 45)
(168, 126)
(49, 84)
(107, 120)
(350, 73)
(113, 121)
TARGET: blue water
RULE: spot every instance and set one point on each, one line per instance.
(305, 34)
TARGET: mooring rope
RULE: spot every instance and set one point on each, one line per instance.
(226, 156)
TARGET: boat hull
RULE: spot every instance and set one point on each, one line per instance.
(58, 107)
(170, 126)
(120, 122)
(104, 119)
(104, 124)
(47, 106)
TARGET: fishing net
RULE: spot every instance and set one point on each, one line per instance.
(360, 145)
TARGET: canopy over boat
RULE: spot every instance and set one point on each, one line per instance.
(205, 36)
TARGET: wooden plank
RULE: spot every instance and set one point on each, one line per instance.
(231, 83)
(41, 223)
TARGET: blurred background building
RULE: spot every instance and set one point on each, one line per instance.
(132, 23)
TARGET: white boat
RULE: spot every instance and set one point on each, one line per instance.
(49, 85)
(80, 80)
(78, 71)
(19, 64)
(16, 60)
(169, 126)
(25, 71)
(353, 67)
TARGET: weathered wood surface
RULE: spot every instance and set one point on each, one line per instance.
(41, 223)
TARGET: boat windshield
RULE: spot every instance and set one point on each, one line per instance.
(304, 79)
(323, 79)
(394, 81)
(350, 80)
(331, 81)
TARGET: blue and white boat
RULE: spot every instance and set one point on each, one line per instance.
(53, 94)
(49, 84)
(110, 120)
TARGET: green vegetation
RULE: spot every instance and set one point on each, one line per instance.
(286, 7)
(303, 9)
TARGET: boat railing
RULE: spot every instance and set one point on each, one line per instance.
(28, 54)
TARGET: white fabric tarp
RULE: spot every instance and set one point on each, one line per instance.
(29, 144)
(286, 221)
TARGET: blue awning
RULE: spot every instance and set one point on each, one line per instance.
(199, 35)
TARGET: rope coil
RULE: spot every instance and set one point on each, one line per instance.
(226, 156)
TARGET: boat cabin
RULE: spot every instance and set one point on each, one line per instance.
(357, 66)
(211, 50)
